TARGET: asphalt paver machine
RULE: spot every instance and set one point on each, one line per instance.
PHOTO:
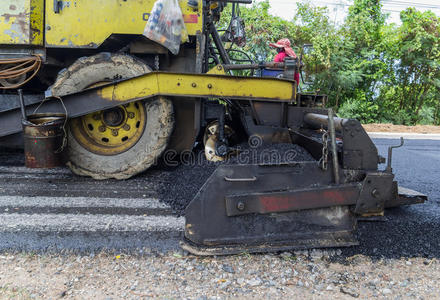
(129, 99)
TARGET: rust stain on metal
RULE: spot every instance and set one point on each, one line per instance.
(20, 23)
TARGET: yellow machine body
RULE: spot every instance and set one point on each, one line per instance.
(80, 23)
(22, 22)
(199, 85)
(88, 23)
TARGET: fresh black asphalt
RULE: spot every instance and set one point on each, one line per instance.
(408, 231)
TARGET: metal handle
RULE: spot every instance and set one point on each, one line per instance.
(56, 6)
(389, 169)
(54, 97)
(331, 128)
(22, 107)
(253, 178)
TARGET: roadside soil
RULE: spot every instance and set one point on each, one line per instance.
(308, 275)
(386, 127)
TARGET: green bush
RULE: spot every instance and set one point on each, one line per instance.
(426, 115)
(360, 109)
(400, 117)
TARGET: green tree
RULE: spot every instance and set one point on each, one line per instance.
(417, 73)
(371, 70)
(261, 28)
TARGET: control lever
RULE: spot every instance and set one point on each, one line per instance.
(390, 155)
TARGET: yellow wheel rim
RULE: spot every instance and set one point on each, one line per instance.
(111, 131)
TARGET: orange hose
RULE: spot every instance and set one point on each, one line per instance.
(21, 66)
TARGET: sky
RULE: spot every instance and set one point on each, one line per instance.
(339, 8)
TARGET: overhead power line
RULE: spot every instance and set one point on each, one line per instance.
(411, 4)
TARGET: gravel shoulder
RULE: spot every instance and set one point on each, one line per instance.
(306, 275)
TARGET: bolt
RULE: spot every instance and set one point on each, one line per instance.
(209, 86)
(194, 85)
(115, 132)
(101, 128)
(221, 150)
(240, 205)
(126, 127)
(131, 115)
(219, 67)
(375, 193)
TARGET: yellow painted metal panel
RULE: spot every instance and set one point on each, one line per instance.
(37, 22)
(218, 69)
(21, 22)
(88, 23)
(14, 22)
(199, 85)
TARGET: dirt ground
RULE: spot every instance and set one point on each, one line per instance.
(178, 276)
(401, 128)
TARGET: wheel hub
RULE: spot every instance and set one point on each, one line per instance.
(113, 117)
(112, 131)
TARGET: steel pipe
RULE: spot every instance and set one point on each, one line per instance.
(253, 66)
(331, 128)
(317, 121)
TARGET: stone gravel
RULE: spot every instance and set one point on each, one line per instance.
(176, 275)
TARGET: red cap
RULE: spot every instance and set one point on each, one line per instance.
(285, 44)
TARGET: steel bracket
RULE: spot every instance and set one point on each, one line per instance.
(276, 202)
(377, 188)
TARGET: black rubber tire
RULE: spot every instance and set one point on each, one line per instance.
(159, 114)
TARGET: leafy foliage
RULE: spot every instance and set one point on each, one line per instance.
(371, 70)
(261, 28)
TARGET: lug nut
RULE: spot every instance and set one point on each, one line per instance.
(131, 115)
(375, 193)
(115, 132)
(101, 128)
(126, 127)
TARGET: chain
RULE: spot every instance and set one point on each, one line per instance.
(323, 161)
